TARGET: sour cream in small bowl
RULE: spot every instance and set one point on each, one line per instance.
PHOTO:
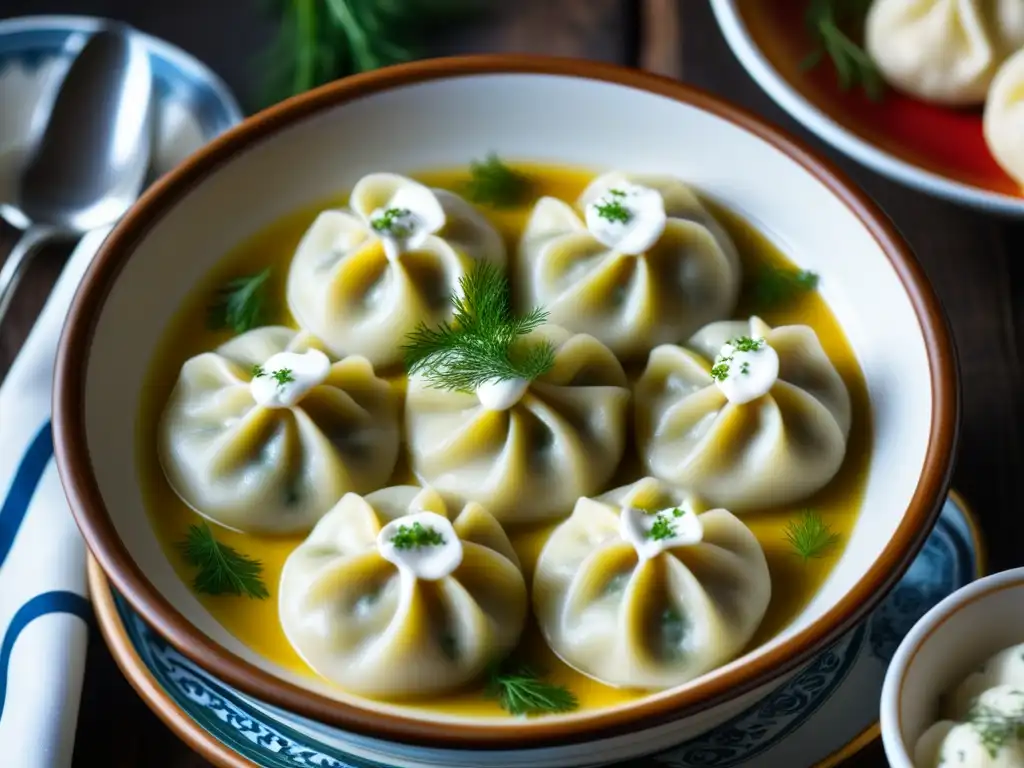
(954, 693)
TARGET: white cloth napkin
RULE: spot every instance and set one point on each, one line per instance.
(43, 593)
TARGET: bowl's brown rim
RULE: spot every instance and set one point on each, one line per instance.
(71, 446)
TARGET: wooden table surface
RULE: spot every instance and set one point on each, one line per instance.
(975, 262)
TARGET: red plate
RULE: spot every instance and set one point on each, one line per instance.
(940, 150)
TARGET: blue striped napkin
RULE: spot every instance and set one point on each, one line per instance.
(43, 594)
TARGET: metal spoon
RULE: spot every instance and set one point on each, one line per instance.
(91, 161)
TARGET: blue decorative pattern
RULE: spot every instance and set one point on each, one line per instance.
(775, 717)
(223, 713)
(23, 488)
(945, 562)
(40, 605)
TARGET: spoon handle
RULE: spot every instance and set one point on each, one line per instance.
(17, 261)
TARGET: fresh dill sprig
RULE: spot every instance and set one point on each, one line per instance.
(493, 183)
(322, 40)
(773, 286)
(415, 536)
(826, 20)
(810, 536)
(520, 690)
(479, 345)
(240, 304)
(222, 569)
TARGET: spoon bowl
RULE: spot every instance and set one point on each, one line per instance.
(90, 164)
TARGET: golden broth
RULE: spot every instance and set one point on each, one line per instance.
(255, 622)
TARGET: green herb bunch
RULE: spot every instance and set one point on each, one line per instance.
(828, 22)
(322, 40)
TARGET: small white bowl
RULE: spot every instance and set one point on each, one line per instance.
(950, 640)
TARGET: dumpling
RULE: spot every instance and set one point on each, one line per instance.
(943, 51)
(361, 279)
(641, 598)
(528, 453)
(749, 417)
(265, 433)
(645, 264)
(1004, 668)
(990, 736)
(1004, 117)
(393, 596)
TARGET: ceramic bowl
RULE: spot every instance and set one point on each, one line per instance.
(443, 113)
(948, 643)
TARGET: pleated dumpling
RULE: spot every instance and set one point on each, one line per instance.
(639, 262)
(393, 596)
(266, 433)
(943, 51)
(749, 416)
(1004, 117)
(361, 279)
(525, 449)
(644, 588)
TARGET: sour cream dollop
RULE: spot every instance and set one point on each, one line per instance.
(286, 377)
(501, 395)
(745, 369)
(423, 545)
(411, 216)
(651, 533)
(628, 218)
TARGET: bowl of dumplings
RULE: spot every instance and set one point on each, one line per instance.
(954, 693)
(927, 92)
(566, 439)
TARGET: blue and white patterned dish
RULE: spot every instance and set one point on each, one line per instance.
(193, 105)
(824, 713)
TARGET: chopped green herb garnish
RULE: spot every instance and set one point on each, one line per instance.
(493, 183)
(996, 729)
(774, 286)
(661, 529)
(810, 536)
(415, 536)
(616, 192)
(720, 371)
(480, 344)
(390, 222)
(283, 376)
(222, 569)
(521, 691)
(745, 367)
(613, 211)
(677, 512)
(241, 304)
(827, 21)
(746, 344)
